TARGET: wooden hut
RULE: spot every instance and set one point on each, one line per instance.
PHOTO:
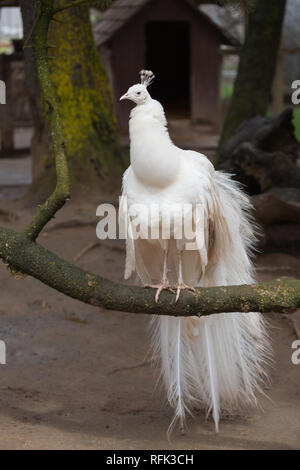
(16, 112)
(175, 40)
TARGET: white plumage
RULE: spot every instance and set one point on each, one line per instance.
(215, 362)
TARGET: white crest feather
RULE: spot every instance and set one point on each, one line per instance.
(147, 77)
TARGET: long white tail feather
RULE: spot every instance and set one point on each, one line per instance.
(216, 362)
(220, 369)
(212, 375)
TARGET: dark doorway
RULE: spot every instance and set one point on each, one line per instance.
(168, 55)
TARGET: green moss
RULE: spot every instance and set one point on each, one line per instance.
(84, 98)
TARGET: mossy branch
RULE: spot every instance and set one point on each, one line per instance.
(23, 255)
(62, 190)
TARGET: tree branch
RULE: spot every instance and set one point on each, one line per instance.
(23, 255)
(62, 191)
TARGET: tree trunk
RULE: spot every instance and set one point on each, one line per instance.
(253, 84)
(278, 84)
(94, 154)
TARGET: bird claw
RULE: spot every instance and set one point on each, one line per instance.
(160, 288)
(174, 289)
(181, 287)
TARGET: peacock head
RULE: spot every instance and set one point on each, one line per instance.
(138, 93)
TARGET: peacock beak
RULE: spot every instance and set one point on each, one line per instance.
(124, 97)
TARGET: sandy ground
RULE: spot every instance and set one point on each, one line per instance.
(74, 379)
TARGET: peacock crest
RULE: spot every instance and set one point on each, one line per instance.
(147, 77)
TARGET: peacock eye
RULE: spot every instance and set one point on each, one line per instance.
(138, 93)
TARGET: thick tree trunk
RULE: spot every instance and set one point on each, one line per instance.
(253, 84)
(92, 145)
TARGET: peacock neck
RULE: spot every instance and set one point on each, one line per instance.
(154, 158)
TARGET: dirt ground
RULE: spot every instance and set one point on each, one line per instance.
(74, 378)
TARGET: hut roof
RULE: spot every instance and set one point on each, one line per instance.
(122, 11)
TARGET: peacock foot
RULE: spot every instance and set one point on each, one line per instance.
(160, 288)
(181, 286)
